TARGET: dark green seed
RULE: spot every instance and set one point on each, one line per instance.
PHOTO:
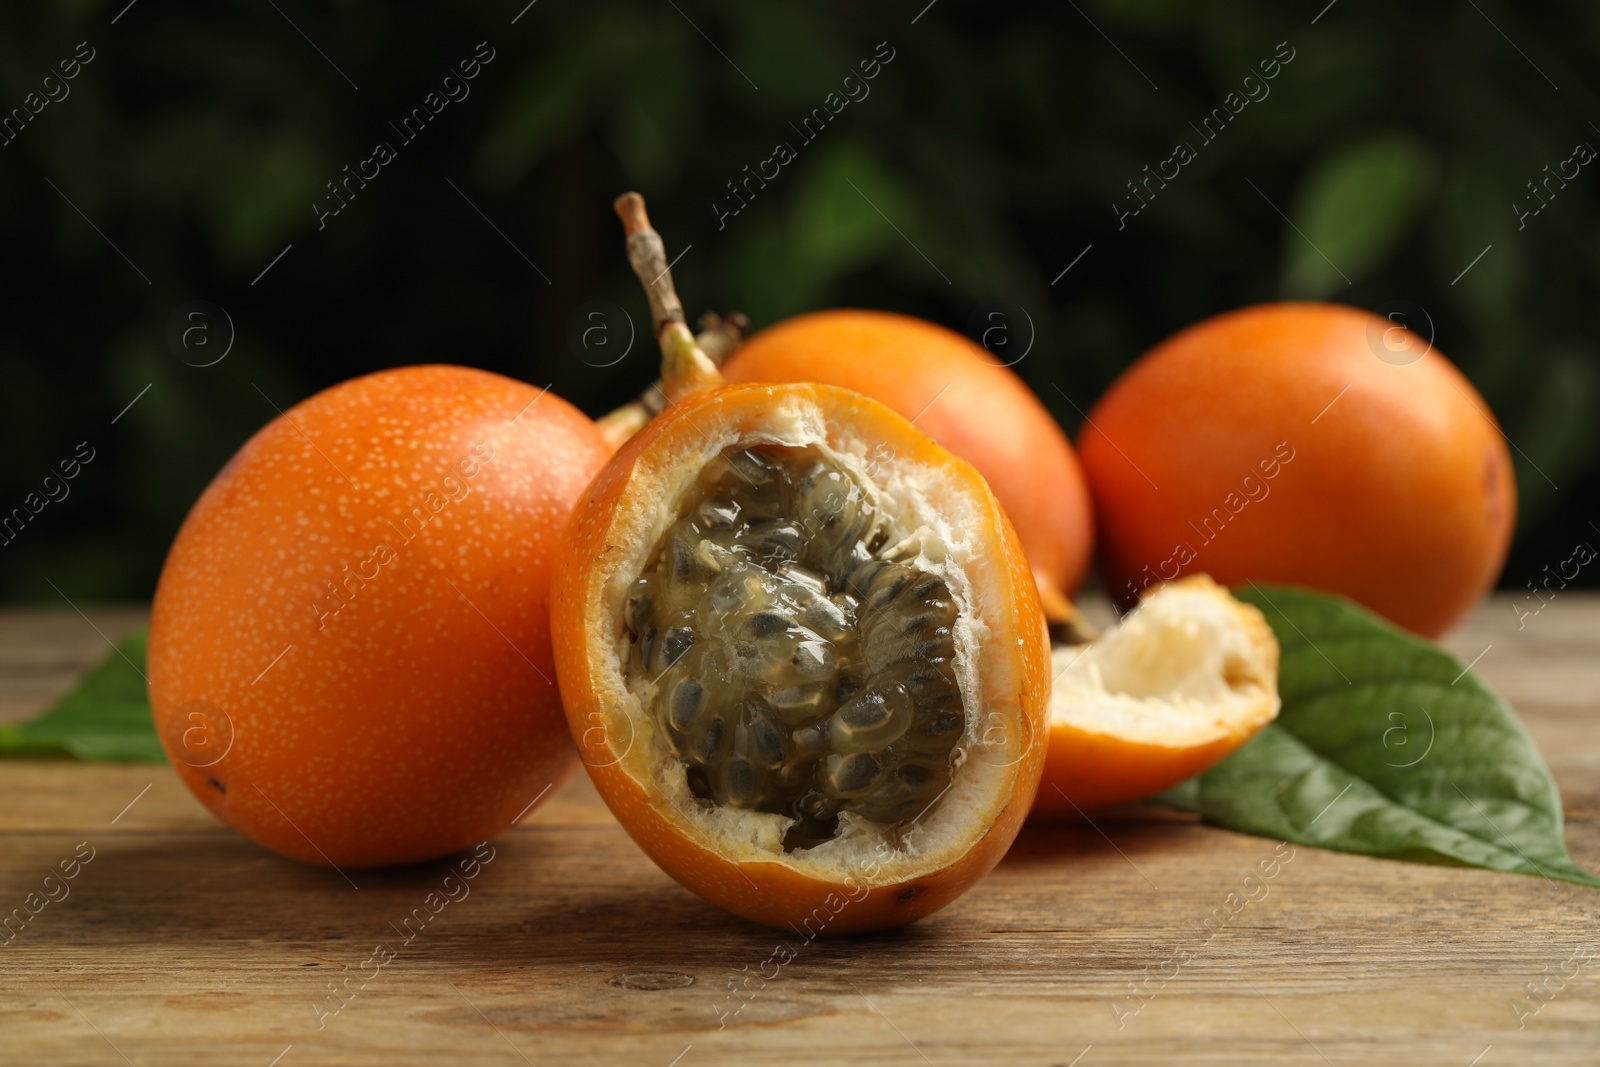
(675, 644)
(731, 592)
(750, 466)
(711, 740)
(741, 782)
(773, 539)
(767, 742)
(866, 712)
(890, 586)
(874, 720)
(853, 775)
(639, 606)
(813, 657)
(914, 776)
(928, 644)
(824, 495)
(718, 514)
(823, 615)
(861, 578)
(803, 576)
(765, 624)
(683, 549)
(945, 700)
(688, 699)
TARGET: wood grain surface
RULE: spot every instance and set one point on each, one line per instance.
(180, 942)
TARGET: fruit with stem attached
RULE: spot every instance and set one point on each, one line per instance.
(800, 646)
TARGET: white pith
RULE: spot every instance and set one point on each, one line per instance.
(1188, 666)
(944, 523)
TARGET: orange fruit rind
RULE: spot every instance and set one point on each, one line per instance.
(1306, 444)
(1185, 679)
(735, 858)
(349, 656)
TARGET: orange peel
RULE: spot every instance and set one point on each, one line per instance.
(1185, 679)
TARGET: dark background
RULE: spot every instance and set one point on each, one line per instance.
(986, 158)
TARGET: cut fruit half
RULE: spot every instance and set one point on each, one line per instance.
(801, 669)
(801, 652)
(1187, 677)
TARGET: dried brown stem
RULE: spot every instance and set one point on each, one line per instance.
(648, 257)
(686, 367)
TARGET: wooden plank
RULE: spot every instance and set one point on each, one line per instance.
(180, 942)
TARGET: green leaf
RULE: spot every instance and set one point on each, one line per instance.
(107, 717)
(1386, 746)
(1353, 210)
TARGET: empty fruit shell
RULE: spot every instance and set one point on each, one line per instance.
(1187, 677)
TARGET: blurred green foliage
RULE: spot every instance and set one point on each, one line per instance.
(987, 156)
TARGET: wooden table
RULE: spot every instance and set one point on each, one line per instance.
(181, 942)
